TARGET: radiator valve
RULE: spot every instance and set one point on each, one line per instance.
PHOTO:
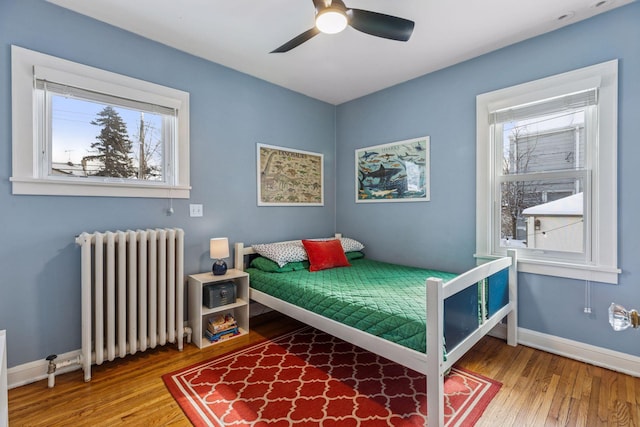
(51, 370)
(54, 366)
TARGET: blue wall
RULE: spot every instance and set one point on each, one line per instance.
(441, 233)
(230, 113)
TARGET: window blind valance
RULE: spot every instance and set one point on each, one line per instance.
(572, 101)
(76, 92)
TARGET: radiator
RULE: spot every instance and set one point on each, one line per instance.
(132, 293)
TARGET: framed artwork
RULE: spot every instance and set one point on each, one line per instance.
(394, 172)
(288, 177)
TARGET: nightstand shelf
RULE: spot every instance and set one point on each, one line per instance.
(199, 314)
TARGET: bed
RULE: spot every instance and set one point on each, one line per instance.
(381, 307)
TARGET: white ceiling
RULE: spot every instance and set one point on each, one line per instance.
(337, 68)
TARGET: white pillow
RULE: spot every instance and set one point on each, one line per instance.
(282, 253)
(350, 245)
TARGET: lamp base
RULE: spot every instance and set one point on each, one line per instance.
(219, 268)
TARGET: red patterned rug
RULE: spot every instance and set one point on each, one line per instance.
(309, 378)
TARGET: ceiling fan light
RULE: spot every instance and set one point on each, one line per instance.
(331, 20)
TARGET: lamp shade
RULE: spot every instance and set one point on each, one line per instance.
(219, 248)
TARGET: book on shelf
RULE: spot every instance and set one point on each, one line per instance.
(221, 336)
(221, 323)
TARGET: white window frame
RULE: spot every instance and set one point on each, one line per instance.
(27, 163)
(600, 262)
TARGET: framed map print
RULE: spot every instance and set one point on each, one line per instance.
(289, 177)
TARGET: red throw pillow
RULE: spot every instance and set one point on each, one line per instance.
(325, 254)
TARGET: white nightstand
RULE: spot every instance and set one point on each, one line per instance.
(199, 315)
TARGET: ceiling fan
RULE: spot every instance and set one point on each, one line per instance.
(332, 16)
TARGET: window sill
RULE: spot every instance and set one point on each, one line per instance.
(601, 273)
(31, 186)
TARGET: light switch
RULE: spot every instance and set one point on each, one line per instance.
(195, 210)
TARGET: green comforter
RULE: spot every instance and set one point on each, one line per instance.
(386, 300)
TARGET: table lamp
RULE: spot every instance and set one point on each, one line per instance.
(219, 249)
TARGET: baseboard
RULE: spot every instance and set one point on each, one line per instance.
(35, 371)
(598, 356)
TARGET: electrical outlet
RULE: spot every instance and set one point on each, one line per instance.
(195, 210)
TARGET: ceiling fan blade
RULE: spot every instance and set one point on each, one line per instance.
(336, 3)
(381, 25)
(297, 41)
(319, 5)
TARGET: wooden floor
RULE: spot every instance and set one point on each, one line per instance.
(539, 389)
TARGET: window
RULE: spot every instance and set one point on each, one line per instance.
(78, 130)
(547, 174)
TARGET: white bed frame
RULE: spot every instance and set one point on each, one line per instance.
(433, 367)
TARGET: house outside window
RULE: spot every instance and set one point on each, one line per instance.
(78, 130)
(547, 173)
